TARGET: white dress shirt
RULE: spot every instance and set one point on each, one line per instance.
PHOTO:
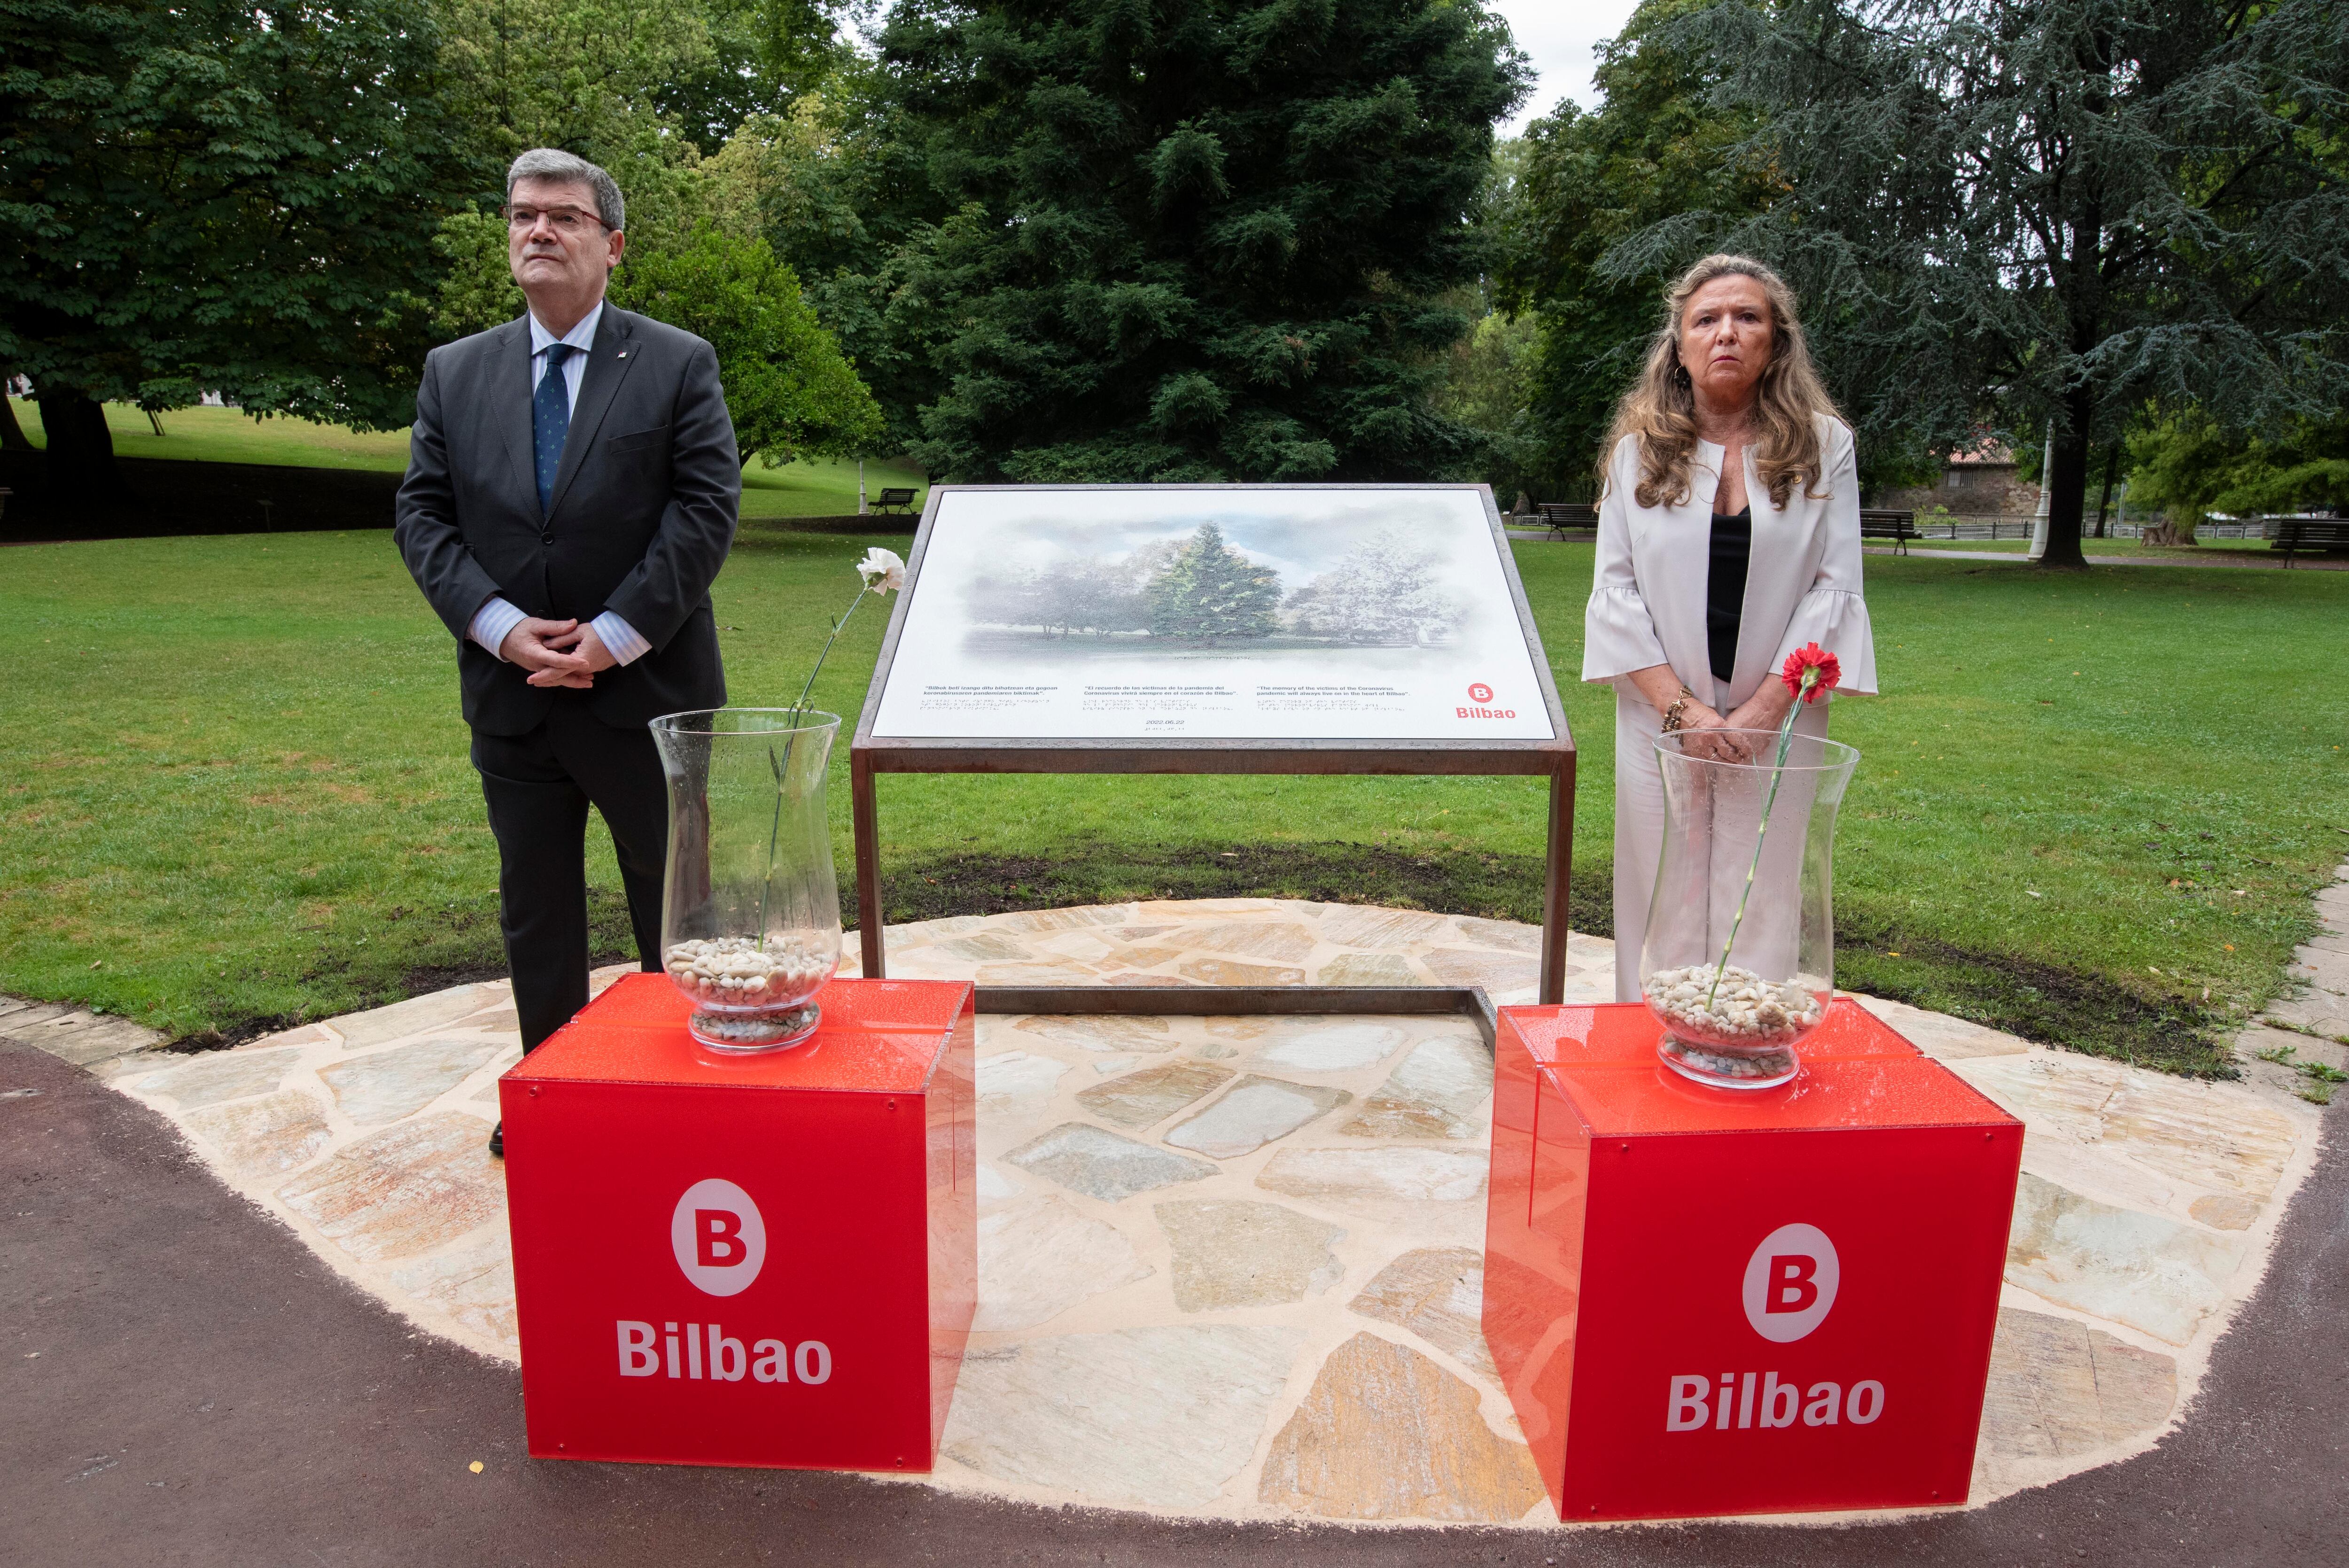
(498, 615)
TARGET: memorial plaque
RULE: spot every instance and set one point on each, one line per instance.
(1319, 629)
(1221, 613)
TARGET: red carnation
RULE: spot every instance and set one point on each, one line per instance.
(1811, 670)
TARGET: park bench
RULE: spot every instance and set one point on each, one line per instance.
(1558, 516)
(1897, 526)
(2310, 534)
(901, 500)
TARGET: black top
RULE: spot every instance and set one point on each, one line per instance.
(1724, 587)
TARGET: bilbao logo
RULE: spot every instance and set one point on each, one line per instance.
(718, 1238)
(1479, 694)
(1790, 1282)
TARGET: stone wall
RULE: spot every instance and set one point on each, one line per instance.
(1988, 491)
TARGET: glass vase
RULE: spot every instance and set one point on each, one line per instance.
(751, 909)
(1738, 959)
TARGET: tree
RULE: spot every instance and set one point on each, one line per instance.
(1384, 591)
(647, 88)
(1101, 595)
(1209, 591)
(1657, 147)
(787, 386)
(1487, 382)
(216, 196)
(2188, 464)
(2047, 210)
(1199, 240)
(836, 195)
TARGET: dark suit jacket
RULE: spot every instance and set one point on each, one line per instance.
(644, 511)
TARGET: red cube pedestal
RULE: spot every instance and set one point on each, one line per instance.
(745, 1260)
(1707, 1302)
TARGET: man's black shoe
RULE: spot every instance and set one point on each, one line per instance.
(497, 1140)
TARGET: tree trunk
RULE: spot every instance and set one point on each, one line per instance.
(11, 434)
(2112, 470)
(81, 465)
(2067, 481)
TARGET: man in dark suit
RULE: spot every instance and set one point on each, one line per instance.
(571, 490)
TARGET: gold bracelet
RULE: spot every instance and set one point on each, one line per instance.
(1672, 713)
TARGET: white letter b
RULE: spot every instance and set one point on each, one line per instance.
(1686, 1412)
(637, 1356)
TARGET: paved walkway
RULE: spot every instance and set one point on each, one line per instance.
(187, 1383)
(1315, 1233)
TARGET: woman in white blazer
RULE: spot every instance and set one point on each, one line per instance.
(1728, 537)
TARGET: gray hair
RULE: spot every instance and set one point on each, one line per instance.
(554, 163)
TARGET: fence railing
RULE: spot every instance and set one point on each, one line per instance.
(1971, 526)
(2020, 528)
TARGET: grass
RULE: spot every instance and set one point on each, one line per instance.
(2091, 812)
(2318, 1089)
(817, 487)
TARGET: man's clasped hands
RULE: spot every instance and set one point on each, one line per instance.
(556, 653)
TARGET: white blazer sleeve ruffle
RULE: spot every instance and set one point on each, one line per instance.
(1832, 613)
(1619, 636)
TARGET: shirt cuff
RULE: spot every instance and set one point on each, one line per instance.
(619, 639)
(496, 618)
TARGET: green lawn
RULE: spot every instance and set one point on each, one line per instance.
(820, 487)
(237, 788)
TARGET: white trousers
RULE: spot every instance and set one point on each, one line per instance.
(1640, 825)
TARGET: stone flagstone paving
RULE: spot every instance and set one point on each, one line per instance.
(1229, 1267)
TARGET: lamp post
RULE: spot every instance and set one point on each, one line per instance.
(2046, 493)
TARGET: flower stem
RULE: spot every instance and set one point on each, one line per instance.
(836, 626)
(782, 767)
(1777, 768)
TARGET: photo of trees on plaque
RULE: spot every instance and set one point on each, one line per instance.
(1322, 612)
(1201, 592)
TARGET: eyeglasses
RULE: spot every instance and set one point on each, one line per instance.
(566, 220)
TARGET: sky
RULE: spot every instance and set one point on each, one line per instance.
(1559, 36)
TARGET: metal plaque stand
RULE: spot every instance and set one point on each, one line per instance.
(871, 755)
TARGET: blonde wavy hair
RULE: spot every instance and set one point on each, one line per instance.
(1660, 408)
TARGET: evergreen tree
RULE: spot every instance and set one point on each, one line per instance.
(208, 195)
(1197, 240)
(2052, 211)
(1209, 592)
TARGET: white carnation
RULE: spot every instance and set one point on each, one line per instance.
(882, 569)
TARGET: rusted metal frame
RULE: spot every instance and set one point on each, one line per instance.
(1557, 882)
(865, 815)
(1242, 1001)
(870, 756)
(1328, 758)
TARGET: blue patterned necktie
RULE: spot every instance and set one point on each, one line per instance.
(550, 421)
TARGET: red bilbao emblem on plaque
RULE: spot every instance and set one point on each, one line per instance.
(1479, 695)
